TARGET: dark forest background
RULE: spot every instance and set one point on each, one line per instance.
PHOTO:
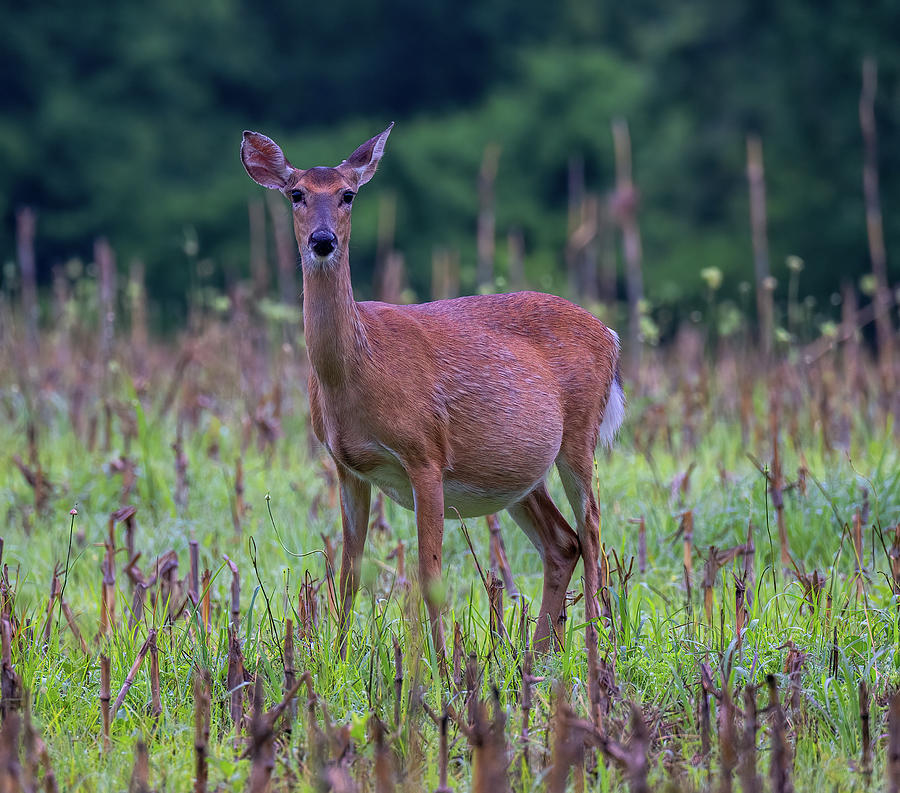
(124, 120)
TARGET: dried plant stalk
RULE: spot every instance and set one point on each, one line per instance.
(132, 673)
(104, 699)
(780, 767)
(892, 766)
(201, 730)
(866, 765)
(140, 774)
(155, 696)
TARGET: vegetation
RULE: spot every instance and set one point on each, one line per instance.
(125, 121)
(703, 602)
(168, 614)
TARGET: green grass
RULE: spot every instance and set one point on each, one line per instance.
(660, 638)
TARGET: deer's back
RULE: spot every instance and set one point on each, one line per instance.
(527, 328)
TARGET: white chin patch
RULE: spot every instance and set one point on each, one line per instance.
(313, 260)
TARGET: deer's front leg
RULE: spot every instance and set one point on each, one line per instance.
(355, 496)
(428, 490)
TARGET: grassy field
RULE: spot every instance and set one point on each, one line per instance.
(206, 437)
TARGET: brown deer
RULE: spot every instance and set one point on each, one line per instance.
(460, 405)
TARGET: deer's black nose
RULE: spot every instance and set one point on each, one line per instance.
(322, 241)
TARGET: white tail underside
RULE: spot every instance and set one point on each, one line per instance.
(613, 415)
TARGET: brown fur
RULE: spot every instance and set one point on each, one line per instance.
(459, 405)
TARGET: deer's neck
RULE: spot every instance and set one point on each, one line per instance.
(335, 336)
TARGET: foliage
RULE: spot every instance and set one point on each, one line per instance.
(685, 447)
(124, 121)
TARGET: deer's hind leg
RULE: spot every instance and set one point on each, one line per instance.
(557, 544)
(576, 467)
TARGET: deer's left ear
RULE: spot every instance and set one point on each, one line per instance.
(364, 160)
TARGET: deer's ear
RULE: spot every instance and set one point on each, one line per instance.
(265, 161)
(365, 159)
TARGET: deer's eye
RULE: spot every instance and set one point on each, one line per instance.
(297, 197)
(348, 196)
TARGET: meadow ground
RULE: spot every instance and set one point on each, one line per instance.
(704, 617)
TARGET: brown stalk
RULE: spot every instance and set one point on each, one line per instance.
(776, 479)
(155, 697)
(398, 681)
(703, 702)
(10, 768)
(33, 746)
(54, 594)
(495, 599)
(793, 668)
(526, 704)
(866, 766)
(261, 750)
(835, 655)
(384, 771)
(378, 524)
(750, 782)
(137, 604)
(813, 586)
(235, 682)
(488, 742)
(399, 553)
(757, 185)
(308, 608)
(73, 626)
(329, 577)
(10, 683)
(716, 560)
(632, 756)
(126, 515)
(104, 699)
(874, 224)
(108, 591)
(35, 477)
(140, 774)
(194, 581)
(728, 746)
(181, 467)
(687, 531)
(624, 209)
(499, 559)
(780, 767)
(457, 656)
(442, 756)
(235, 593)
(132, 673)
(238, 509)
(36, 755)
(740, 608)
(486, 220)
(892, 766)
(26, 223)
(568, 747)
(858, 551)
(289, 674)
(201, 729)
(205, 603)
(263, 745)
(472, 683)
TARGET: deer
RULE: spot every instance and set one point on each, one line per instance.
(460, 405)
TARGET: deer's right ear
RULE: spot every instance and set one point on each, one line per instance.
(265, 161)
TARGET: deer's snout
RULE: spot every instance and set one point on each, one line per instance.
(322, 241)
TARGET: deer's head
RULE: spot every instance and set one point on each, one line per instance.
(321, 198)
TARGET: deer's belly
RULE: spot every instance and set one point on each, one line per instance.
(465, 499)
